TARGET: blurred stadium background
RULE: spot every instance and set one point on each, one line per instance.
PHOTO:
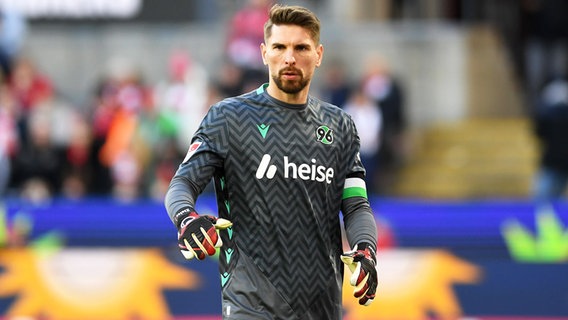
(99, 97)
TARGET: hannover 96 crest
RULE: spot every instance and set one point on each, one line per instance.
(324, 134)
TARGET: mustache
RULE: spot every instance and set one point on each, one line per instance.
(290, 70)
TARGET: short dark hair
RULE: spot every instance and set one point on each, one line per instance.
(293, 15)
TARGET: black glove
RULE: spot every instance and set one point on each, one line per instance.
(197, 234)
(362, 263)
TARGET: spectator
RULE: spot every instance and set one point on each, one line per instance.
(246, 34)
(4, 170)
(126, 172)
(37, 164)
(545, 29)
(123, 151)
(244, 38)
(380, 85)
(63, 138)
(8, 135)
(369, 121)
(117, 153)
(166, 161)
(13, 28)
(181, 100)
(79, 165)
(29, 85)
(229, 80)
(101, 116)
(551, 125)
(30, 88)
(336, 85)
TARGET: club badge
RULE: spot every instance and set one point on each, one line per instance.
(324, 134)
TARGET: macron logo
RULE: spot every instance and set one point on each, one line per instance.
(303, 171)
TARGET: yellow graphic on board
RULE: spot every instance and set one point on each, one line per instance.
(413, 285)
(87, 283)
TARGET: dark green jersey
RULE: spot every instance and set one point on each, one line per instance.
(282, 175)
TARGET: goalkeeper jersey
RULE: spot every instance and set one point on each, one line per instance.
(282, 174)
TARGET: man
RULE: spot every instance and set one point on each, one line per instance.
(284, 165)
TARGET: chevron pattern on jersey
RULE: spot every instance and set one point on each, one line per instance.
(287, 222)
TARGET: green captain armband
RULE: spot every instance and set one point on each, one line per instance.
(354, 187)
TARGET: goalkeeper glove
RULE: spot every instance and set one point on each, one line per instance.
(197, 234)
(362, 263)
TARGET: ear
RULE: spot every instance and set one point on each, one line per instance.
(319, 52)
(263, 53)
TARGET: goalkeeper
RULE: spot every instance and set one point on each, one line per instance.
(285, 165)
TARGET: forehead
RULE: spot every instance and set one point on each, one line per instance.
(290, 34)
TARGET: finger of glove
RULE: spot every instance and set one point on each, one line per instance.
(219, 242)
(190, 252)
(187, 254)
(372, 283)
(364, 279)
(221, 223)
(189, 247)
(210, 241)
(359, 274)
(361, 289)
(348, 258)
(352, 257)
(349, 263)
(368, 298)
(194, 247)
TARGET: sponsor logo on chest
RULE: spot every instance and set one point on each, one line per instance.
(304, 171)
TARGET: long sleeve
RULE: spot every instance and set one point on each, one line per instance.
(359, 221)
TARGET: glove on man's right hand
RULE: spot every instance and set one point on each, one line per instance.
(197, 234)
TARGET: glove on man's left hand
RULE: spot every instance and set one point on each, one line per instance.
(362, 263)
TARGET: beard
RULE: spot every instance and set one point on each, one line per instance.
(291, 86)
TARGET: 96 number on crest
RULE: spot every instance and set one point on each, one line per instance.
(324, 135)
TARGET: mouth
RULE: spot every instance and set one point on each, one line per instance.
(290, 74)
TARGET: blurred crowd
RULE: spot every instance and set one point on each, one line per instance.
(376, 102)
(126, 143)
(130, 138)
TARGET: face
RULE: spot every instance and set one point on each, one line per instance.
(292, 56)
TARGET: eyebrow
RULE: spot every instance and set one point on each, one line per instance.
(302, 44)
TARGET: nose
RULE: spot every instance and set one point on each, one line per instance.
(289, 58)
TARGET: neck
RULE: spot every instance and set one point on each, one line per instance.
(291, 98)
